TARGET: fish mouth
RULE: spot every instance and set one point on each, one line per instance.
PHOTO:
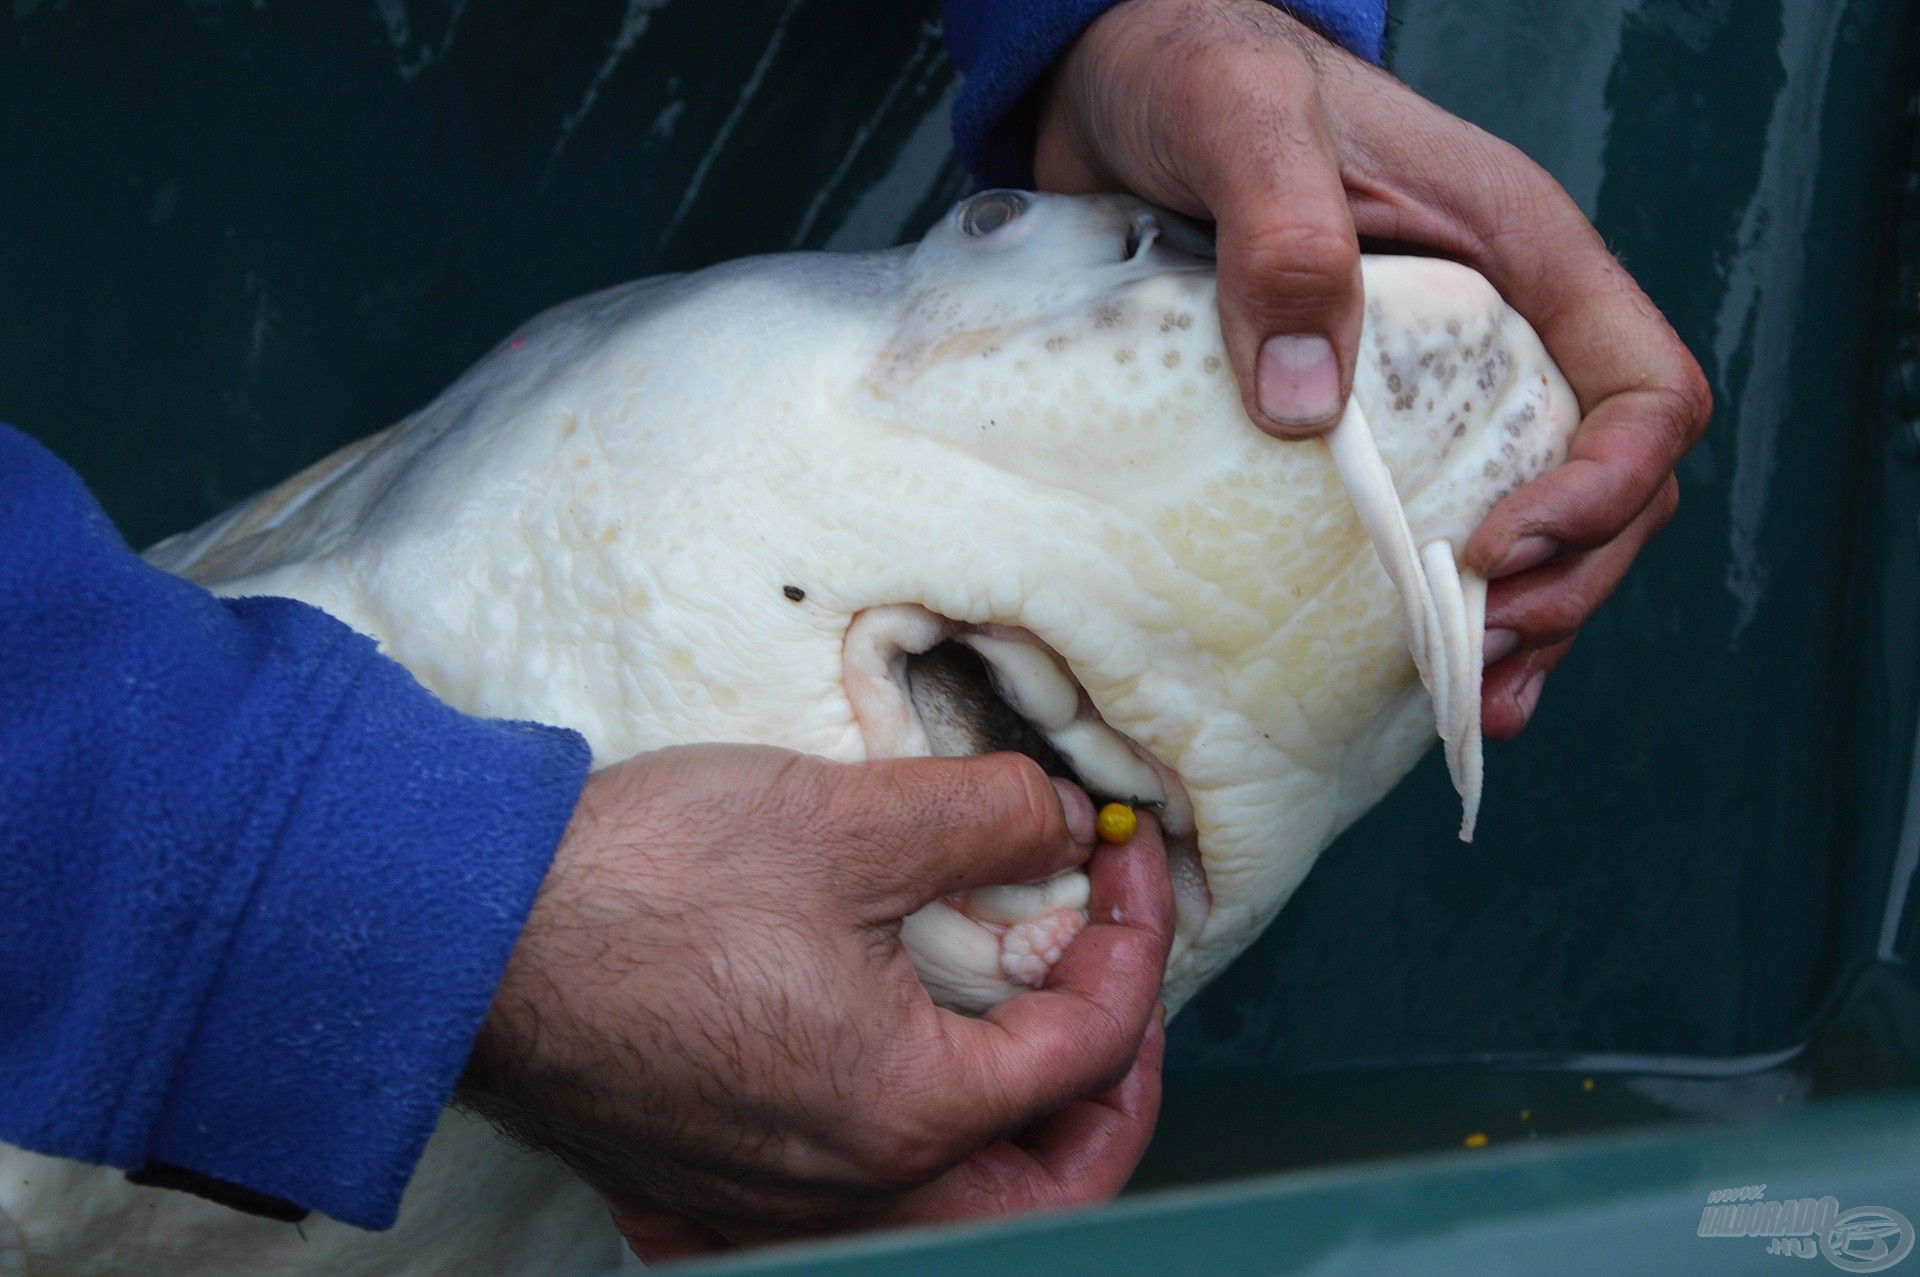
(922, 684)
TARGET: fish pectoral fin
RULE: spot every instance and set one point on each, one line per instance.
(1445, 608)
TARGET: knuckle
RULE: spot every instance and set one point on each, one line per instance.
(1301, 258)
(1089, 1188)
(1551, 611)
(1683, 401)
(1205, 52)
(1563, 622)
(1520, 202)
(1666, 503)
(1196, 66)
(1020, 788)
(1557, 617)
(1697, 398)
(906, 1154)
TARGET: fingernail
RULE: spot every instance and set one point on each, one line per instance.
(1299, 380)
(1497, 646)
(1527, 552)
(1529, 694)
(1079, 810)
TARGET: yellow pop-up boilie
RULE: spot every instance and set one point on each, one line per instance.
(1116, 822)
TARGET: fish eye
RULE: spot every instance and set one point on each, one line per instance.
(988, 211)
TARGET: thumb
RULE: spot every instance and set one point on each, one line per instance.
(1289, 272)
(935, 826)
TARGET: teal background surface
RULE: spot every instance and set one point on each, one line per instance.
(234, 236)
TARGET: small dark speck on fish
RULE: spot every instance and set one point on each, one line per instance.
(794, 593)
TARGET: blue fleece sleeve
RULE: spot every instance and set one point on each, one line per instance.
(258, 884)
(1003, 47)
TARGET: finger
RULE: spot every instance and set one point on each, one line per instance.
(1079, 1034)
(1642, 397)
(934, 826)
(1511, 692)
(1550, 603)
(1619, 461)
(1081, 1155)
(1289, 260)
(1087, 1151)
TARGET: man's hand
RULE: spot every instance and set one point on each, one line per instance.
(1231, 110)
(710, 1016)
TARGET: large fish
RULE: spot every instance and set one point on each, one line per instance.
(994, 490)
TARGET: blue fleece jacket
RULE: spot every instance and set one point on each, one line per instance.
(257, 885)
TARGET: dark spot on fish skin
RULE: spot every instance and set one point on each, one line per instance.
(1171, 359)
(1459, 430)
(1175, 319)
(1107, 316)
(1056, 344)
(1453, 328)
(1124, 355)
(794, 593)
(1402, 402)
(1393, 382)
(1211, 363)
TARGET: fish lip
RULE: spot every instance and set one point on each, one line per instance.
(878, 702)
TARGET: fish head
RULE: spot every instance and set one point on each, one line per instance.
(992, 491)
(1205, 615)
